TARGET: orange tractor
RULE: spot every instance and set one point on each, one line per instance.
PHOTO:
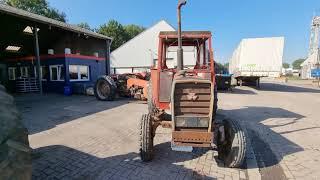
(185, 100)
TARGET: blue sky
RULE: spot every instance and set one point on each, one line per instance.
(229, 20)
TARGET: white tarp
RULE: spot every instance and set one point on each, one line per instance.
(258, 57)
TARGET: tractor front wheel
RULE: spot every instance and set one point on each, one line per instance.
(232, 149)
(146, 138)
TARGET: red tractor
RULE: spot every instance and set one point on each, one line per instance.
(185, 100)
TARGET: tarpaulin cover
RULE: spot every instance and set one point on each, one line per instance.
(258, 57)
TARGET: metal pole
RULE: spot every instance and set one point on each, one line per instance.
(108, 57)
(37, 53)
(180, 50)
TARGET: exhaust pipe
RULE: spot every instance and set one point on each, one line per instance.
(180, 50)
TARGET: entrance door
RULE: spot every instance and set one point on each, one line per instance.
(3, 74)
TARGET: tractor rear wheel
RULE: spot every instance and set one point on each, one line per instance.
(105, 89)
(233, 149)
(146, 138)
(15, 152)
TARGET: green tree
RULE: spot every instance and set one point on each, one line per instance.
(116, 31)
(40, 7)
(296, 64)
(84, 25)
(285, 65)
(133, 30)
(120, 34)
(226, 65)
(220, 68)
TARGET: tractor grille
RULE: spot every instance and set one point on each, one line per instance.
(192, 98)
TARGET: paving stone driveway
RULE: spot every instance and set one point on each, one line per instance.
(284, 127)
(80, 138)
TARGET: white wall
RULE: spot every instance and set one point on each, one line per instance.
(140, 52)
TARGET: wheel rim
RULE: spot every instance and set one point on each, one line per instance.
(103, 89)
(226, 146)
(229, 139)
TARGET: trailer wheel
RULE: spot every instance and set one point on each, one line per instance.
(15, 153)
(146, 138)
(258, 83)
(233, 149)
(105, 89)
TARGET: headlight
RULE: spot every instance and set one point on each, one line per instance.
(192, 122)
(203, 122)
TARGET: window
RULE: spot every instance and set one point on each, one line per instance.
(12, 73)
(24, 72)
(79, 73)
(43, 73)
(57, 73)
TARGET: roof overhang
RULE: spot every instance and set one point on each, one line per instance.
(50, 22)
(185, 34)
(189, 38)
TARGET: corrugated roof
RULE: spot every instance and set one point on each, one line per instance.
(44, 20)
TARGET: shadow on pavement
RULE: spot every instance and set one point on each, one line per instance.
(237, 91)
(262, 137)
(287, 88)
(40, 113)
(61, 162)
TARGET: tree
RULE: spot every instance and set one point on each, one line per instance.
(133, 30)
(116, 31)
(226, 65)
(84, 25)
(220, 68)
(286, 65)
(120, 34)
(40, 7)
(296, 64)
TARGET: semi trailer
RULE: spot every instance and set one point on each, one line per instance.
(255, 58)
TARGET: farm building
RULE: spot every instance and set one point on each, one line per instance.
(36, 49)
(141, 52)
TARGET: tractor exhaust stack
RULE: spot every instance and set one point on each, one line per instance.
(180, 50)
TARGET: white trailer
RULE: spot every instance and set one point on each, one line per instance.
(257, 57)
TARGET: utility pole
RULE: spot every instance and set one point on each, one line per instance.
(37, 55)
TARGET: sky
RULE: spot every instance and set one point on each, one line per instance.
(228, 20)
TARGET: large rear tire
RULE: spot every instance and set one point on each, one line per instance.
(146, 138)
(232, 151)
(15, 153)
(105, 89)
